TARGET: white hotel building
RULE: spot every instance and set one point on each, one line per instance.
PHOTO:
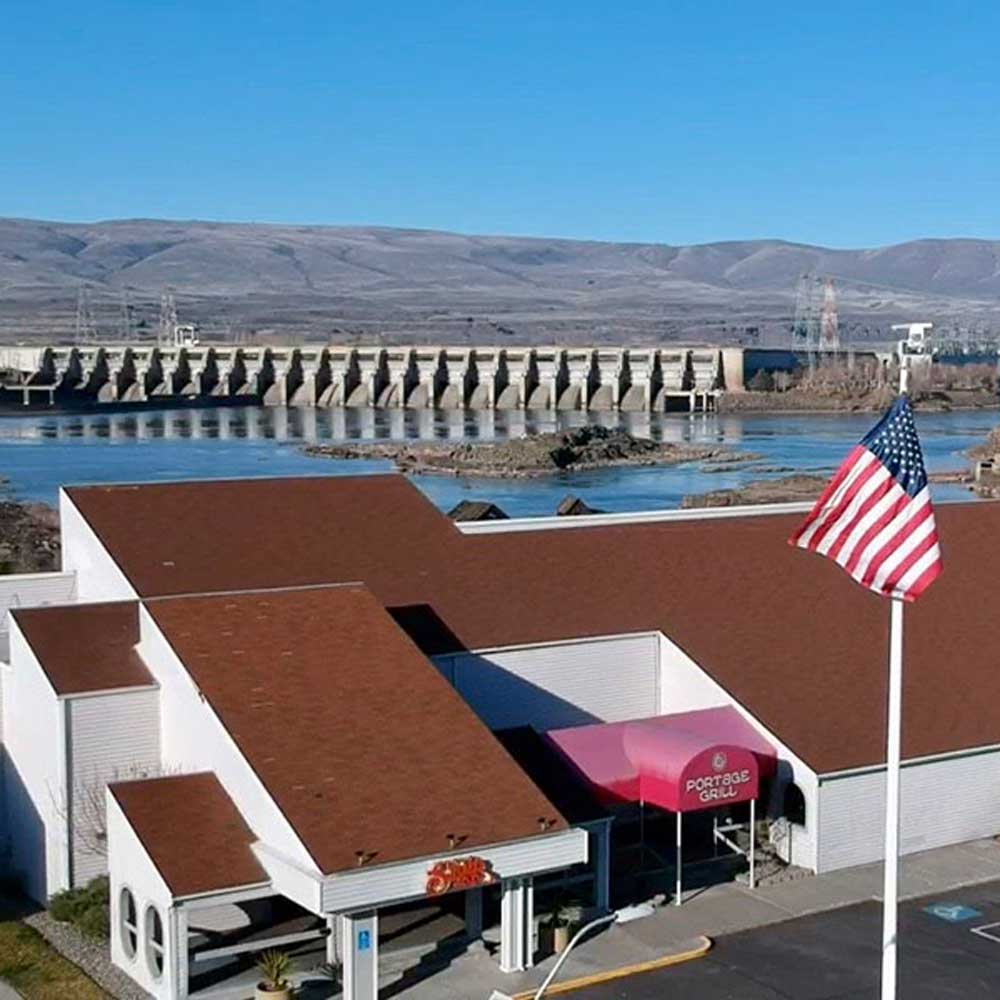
(301, 699)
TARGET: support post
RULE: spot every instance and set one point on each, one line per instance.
(753, 842)
(602, 871)
(360, 936)
(332, 952)
(517, 920)
(678, 862)
(892, 758)
(473, 914)
(183, 955)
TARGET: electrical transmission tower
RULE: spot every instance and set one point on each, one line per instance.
(806, 326)
(125, 318)
(86, 329)
(168, 319)
(829, 324)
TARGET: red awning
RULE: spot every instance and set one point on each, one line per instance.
(692, 760)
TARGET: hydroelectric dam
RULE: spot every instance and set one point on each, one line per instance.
(637, 379)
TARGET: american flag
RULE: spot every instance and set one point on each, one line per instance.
(875, 517)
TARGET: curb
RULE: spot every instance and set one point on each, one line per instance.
(678, 958)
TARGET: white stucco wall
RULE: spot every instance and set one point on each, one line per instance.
(34, 760)
(192, 738)
(110, 737)
(553, 685)
(945, 801)
(31, 590)
(684, 687)
(98, 575)
(131, 867)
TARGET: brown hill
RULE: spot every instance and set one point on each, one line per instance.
(323, 281)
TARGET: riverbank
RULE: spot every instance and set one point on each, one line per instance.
(581, 449)
(799, 400)
(792, 489)
(29, 537)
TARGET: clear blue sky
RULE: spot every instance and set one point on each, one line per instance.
(849, 124)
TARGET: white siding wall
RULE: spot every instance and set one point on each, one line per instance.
(111, 737)
(560, 684)
(34, 761)
(98, 575)
(5, 841)
(192, 738)
(408, 880)
(29, 590)
(941, 802)
(685, 687)
(132, 868)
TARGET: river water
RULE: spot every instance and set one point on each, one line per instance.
(40, 452)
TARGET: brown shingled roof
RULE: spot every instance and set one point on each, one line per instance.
(191, 831)
(358, 738)
(290, 532)
(84, 648)
(785, 632)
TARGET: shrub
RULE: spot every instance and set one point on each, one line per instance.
(67, 906)
(87, 908)
(95, 921)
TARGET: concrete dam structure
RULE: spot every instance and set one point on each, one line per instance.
(414, 377)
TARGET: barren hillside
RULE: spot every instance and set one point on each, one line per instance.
(350, 282)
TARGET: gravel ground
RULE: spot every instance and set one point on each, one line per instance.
(88, 954)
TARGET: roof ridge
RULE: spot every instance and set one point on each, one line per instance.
(248, 591)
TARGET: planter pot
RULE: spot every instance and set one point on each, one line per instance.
(266, 993)
(560, 939)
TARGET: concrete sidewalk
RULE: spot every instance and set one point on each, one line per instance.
(715, 911)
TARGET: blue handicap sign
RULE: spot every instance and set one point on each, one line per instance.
(364, 940)
(954, 913)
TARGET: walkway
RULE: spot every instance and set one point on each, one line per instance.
(715, 911)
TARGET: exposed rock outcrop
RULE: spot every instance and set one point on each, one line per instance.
(590, 447)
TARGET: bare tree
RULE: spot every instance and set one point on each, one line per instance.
(84, 810)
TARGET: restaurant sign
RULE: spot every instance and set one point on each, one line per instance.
(458, 873)
(720, 776)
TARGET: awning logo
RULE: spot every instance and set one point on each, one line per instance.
(719, 762)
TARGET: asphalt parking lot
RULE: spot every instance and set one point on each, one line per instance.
(952, 953)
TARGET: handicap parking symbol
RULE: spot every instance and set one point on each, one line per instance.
(954, 913)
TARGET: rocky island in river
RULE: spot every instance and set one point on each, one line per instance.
(590, 447)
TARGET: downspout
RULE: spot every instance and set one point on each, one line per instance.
(68, 787)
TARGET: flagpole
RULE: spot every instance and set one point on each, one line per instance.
(890, 889)
(890, 875)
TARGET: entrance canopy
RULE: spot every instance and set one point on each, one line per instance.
(683, 762)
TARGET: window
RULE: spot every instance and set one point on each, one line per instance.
(128, 923)
(154, 942)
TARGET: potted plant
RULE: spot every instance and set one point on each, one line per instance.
(560, 923)
(560, 930)
(274, 967)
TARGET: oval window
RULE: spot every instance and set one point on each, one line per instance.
(154, 942)
(128, 923)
